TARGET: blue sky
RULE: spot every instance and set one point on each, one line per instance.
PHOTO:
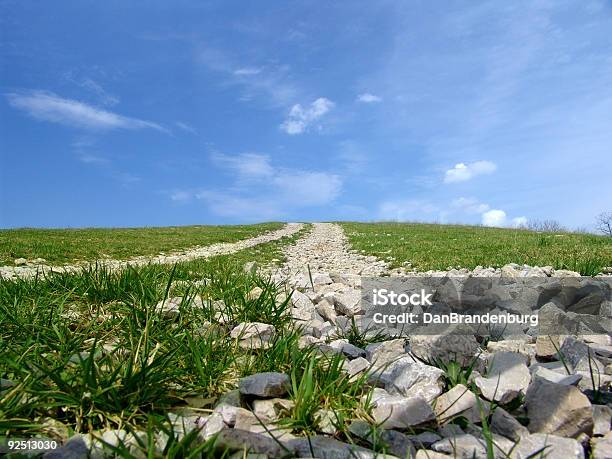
(164, 113)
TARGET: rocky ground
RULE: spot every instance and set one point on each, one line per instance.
(326, 249)
(30, 269)
(433, 396)
(540, 390)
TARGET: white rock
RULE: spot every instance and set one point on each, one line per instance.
(253, 334)
(547, 346)
(548, 446)
(385, 352)
(576, 354)
(247, 421)
(348, 303)
(229, 413)
(329, 448)
(602, 447)
(321, 279)
(272, 408)
(602, 416)
(302, 314)
(513, 345)
(326, 310)
(460, 401)
(395, 411)
(462, 446)
(211, 425)
(326, 421)
(558, 409)
(169, 307)
(410, 378)
(346, 348)
(508, 378)
(447, 348)
(356, 366)
(555, 377)
(301, 301)
(503, 423)
(269, 384)
(428, 454)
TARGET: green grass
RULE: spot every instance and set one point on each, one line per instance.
(428, 246)
(87, 244)
(318, 382)
(91, 351)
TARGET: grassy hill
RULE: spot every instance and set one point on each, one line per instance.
(59, 246)
(428, 246)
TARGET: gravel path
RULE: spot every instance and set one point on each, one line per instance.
(326, 249)
(212, 250)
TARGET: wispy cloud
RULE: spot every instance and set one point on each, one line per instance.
(91, 85)
(463, 172)
(89, 158)
(181, 195)
(246, 165)
(47, 106)
(185, 127)
(305, 188)
(271, 84)
(368, 98)
(247, 71)
(258, 189)
(301, 118)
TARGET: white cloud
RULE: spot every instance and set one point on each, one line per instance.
(463, 172)
(489, 217)
(519, 222)
(246, 165)
(89, 158)
(260, 190)
(494, 217)
(428, 211)
(47, 106)
(300, 118)
(247, 71)
(240, 207)
(186, 127)
(368, 98)
(181, 195)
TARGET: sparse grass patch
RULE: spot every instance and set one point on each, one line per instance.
(428, 246)
(320, 384)
(359, 336)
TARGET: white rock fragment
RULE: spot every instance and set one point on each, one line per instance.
(269, 384)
